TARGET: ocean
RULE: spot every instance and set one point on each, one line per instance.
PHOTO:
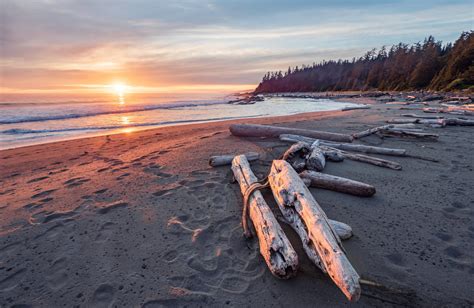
(29, 120)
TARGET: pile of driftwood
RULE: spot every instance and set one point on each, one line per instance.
(300, 167)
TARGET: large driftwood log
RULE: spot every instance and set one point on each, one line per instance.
(348, 147)
(221, 160)
(369, 132)
(275, 247)
(254, 130)
(339, 184)
(305, 215)
(366, 159)
(315, 159)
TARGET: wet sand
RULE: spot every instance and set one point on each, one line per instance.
(140, 219)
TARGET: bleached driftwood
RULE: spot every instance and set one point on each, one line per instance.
(366, 159)
(369, 132)
(315, 159)
(345, 146)
(339, 184)
(417, 116)
(221, 160)
(319, 239)
(296, 155)
(254, 130)
(438, 122)
(457, 111)
(275, 247)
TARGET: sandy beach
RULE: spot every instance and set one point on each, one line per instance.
(140, 219)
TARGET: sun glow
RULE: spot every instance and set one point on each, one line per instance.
(120, 89)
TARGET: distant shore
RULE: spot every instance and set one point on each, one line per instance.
(140, 218)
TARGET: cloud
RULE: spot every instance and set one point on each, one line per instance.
(52, 43)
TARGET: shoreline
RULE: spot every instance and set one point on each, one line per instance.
(73, 132)
(141, 219)
(132, 131)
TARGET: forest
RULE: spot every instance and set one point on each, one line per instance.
(427, 65)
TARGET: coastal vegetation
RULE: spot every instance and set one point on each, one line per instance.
(427, 65)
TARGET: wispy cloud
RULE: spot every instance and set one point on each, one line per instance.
(48, 43)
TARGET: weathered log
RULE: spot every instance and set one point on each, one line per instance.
(254, 130)
(412, 115)
(345, 146)
(408, 134)
(449, 111)
(320, 241)
(339, 184)
(366, 159)
(438, 122)
(296, 155)
(460, 122)
(366, 149)
(401, 121)
(368, 132)
(276, 249)
(315, 159)
(355, 107)
(221, 160)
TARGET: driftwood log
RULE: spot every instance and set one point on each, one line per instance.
(306, 217)
(315, 159)
(460, 122)
(222, 160)
(412, 115)
(339, 184)
(254, 130)
(366, 159)
(408, 133)
(296, 155)
(369, 132)
(276, 249)
(347, 147)
(437, 122)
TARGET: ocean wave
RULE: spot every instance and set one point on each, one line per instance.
(22, 131)
(91, 113)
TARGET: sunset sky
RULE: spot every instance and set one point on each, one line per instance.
(153, 46)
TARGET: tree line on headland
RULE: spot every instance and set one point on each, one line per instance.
(423, 66)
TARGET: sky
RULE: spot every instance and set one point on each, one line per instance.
(70, 46)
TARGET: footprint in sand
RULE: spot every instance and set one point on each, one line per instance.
(57, 276)
(101, 191)
(76, 182)
(104, 209)
(38, 179)
(105, 232)
(103, 296)
(11, 281)
(43, 194)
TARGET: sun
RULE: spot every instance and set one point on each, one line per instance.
(119, 88)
